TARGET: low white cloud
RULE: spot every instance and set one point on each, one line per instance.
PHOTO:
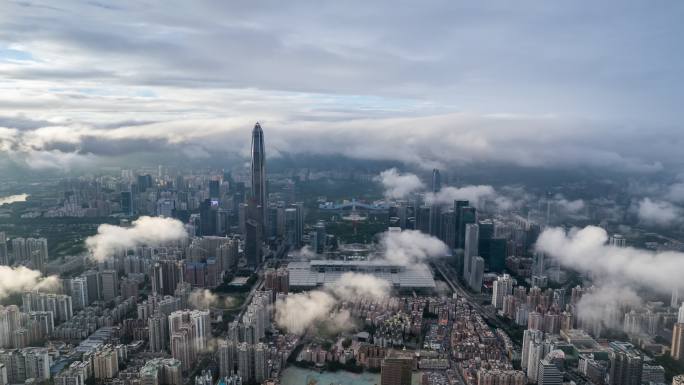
(143, 231)
(617, 271)
(399, 185)
(675, 193)
(586, 250)
(606, 305)
(18, 279)
(475, 195)
(204, 299)
(298, 312)
(569, 206)
(408, 247)
(13, 198)
(352, 286)
(306, 252)
(659, 213)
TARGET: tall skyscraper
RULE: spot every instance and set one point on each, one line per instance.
(436, 181)
(37, 252)
(502, 287)
(435, 209)
(466, 215)
(4, 256)
(677, 350)
(110, 284)
(471, 248)
(93, 279)
(476, 274)
(245, 354)
(253, 233)
(227, 357)
(529, 337)
(259, 173)
(396, 371)
(79, 293)
(158, 332)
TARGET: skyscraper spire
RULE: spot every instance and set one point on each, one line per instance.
(436, 181)
(259, 172)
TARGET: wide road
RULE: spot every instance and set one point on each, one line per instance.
(447, 272)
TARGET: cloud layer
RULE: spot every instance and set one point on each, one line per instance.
(143, 231)
(301, 311)
(586, 250)
(425, 85)
(616, 271)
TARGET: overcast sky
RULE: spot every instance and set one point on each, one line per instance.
(429, 83)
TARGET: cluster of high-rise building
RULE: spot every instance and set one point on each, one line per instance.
(189, 335)
(243, 354)
(31, 252)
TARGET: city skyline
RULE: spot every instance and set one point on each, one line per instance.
(288, 193)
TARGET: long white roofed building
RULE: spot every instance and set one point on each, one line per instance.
(305, 275)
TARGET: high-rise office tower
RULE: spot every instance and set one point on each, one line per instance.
(677, 350)
(4, 256)
(466, 215)
(214, 190)
(253, 243)
(676, 299)
(470, 250)
(290, 227)
(396, 371)
(126, 202)
(423, 219)
(319, 237)
(299, 232)
(436, 180)
(476, 274)
(79, 293)
(93, 279)
(486, 227)
(497, 255)
(435, 209)
(110, 284)
(259, 196)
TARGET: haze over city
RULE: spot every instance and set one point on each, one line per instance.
(439, 192)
